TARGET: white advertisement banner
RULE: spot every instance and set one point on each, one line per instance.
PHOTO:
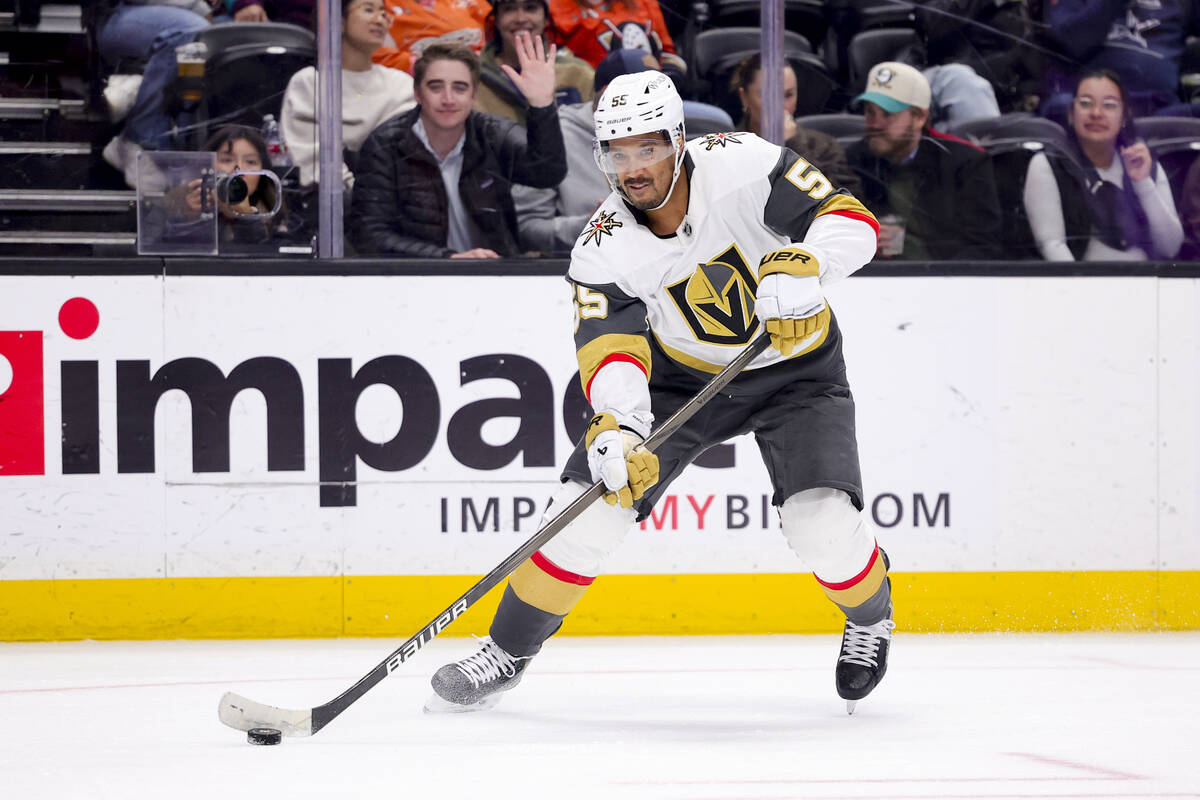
(243, 426)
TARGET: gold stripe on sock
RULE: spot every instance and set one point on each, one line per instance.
(862, 590)
(542, 591)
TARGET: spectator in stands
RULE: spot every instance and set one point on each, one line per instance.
(1142, 42)
(248, 219)
(1116, 204)
(436, 181)
(147, 32)
(416, 24)
(593, 28)
(550, 220)
(497, 94)
(1191, 213)
(817, 147)
(370, 93)
(934, 194)
(295, 12)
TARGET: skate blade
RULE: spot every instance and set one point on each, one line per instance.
(438, 705)
(850, 704)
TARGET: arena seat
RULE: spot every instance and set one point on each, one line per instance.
(700, 119)
(1175, 142)
(846, 128)
(805, 17)
(247, 70)
(1015, 129)
(718, 51)
(868, 48)
(1011, 140)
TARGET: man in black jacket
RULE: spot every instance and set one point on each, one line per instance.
(934, 194)
(436, 181)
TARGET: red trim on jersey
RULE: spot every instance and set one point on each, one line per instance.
(867, 218)
(848, 584)
(554, 571)
(608, 360)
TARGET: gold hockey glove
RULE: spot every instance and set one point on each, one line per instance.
(787, 334)
(789, 300)
(615, 456)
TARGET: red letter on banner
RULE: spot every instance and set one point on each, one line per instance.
(22, 420)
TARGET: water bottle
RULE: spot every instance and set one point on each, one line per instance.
(276, 146)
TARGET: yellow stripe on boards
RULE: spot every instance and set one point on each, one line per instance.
(157, 608)
(398, 606)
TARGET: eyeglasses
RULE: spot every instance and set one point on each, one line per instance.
(1109, 106)
(371, 10)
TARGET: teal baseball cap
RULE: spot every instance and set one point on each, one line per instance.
(894, 87)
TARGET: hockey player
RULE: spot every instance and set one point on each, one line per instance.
(698, 245)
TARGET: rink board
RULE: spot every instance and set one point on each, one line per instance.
(398, 607)
(1029, 451)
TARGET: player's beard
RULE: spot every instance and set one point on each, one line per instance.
(645, 200)
(888, 148)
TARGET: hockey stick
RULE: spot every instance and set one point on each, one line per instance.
(243, 714)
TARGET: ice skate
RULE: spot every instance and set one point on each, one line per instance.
(863, 659)
(477, 681)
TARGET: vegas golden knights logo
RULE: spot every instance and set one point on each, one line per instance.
(600, 226)
(712, 140)
(718, 299)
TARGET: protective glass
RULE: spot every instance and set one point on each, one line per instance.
(632, 155)
(182, 198)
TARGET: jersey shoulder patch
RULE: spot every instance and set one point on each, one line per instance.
(607, 247)
(726, 161)
(741, 146)
(604, 224)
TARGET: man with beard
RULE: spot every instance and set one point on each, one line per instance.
(934, 194)
(699, 246)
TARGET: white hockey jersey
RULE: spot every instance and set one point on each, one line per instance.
(694, 291)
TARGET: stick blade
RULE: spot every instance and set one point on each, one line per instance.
(242, 714)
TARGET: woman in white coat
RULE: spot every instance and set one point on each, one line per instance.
(1111, 201)
(371, 93)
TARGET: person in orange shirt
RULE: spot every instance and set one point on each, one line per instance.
(593, 28)
(418, 23)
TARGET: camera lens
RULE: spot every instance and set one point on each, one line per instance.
(231, 190)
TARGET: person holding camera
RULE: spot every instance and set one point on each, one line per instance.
(1110, 200)
(249, 204)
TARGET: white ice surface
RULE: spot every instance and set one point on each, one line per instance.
(985, 716)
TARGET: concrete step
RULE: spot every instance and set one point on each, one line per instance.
(40, 107)
(67, 244)
(16, 148)
(61, 165)
(56, 18)
(94, 201)
(69, 237)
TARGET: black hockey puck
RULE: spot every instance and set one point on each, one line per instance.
(264, 736)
